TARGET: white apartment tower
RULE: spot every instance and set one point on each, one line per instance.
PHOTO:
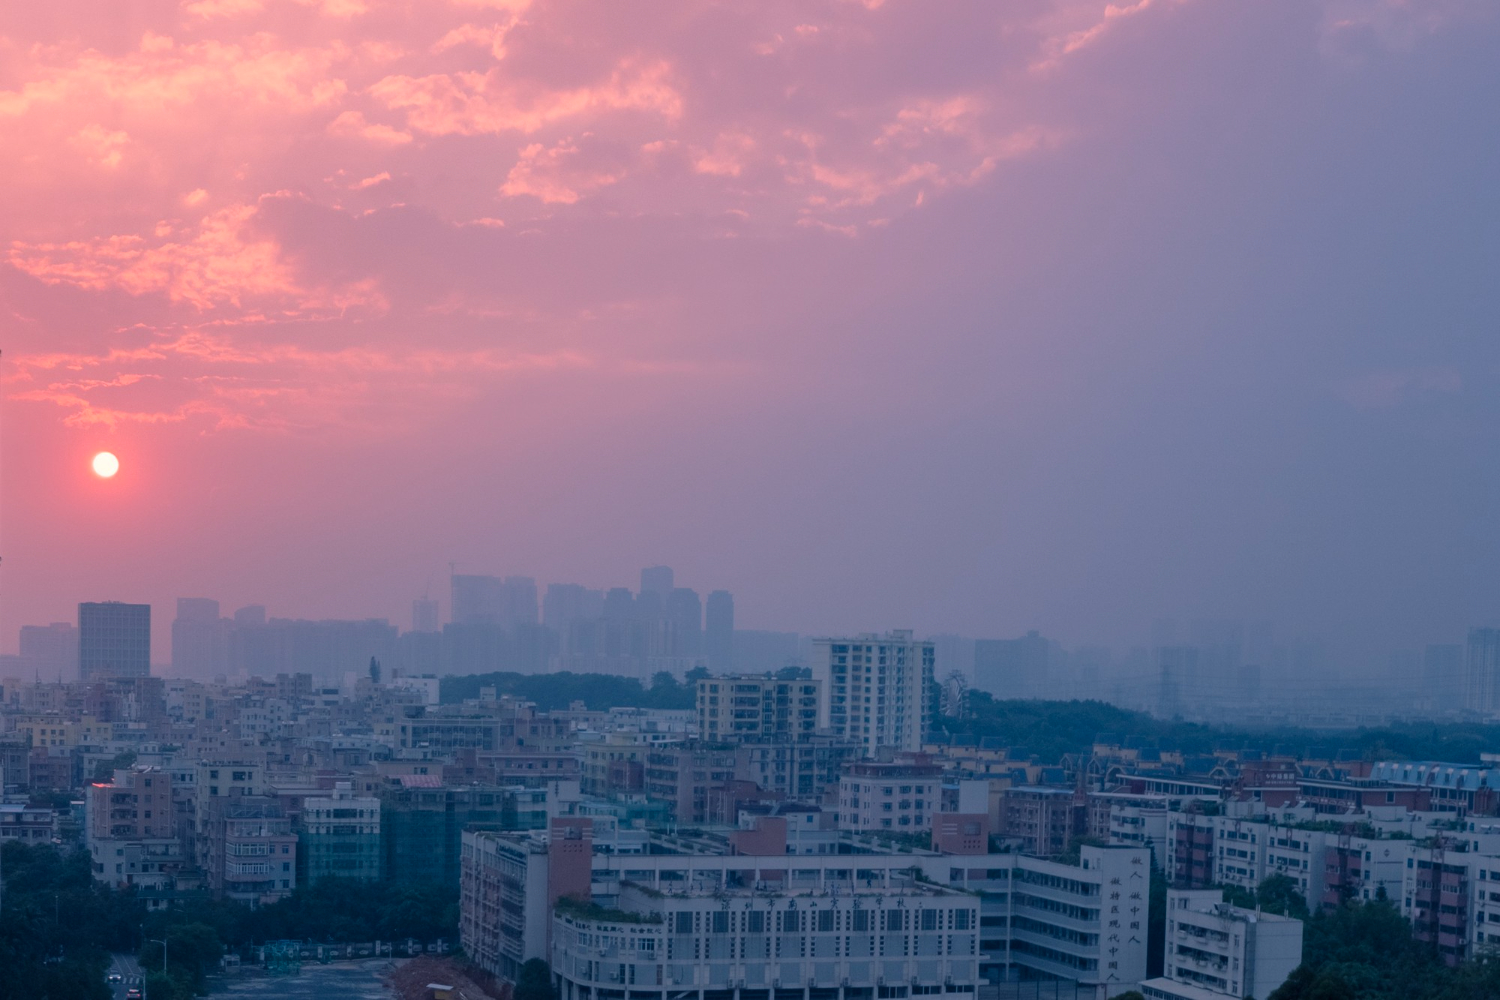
(879, 688)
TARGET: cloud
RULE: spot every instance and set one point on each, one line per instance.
(1395, 386)
(493, 103)
(224, 261)
(555, 175)
(100, 145)
(198, 376)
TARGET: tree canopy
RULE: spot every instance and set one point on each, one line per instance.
(559, 690)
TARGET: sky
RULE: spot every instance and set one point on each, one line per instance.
(954, 315)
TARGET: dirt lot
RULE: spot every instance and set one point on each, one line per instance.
(409, 980)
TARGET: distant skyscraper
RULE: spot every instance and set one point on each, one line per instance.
(49, 651)
(200, 640)
(656, 580)
(424, 615)
(566, 603)
(489, 600)
(114, 640)
(685, 612)
(1177, 667)
(251, 614)
(879, 688)
(718, 630)
(619, 603)
(518, 602)
(1012, 668)
(1482, 671)
(1443, 675)
(476, 600)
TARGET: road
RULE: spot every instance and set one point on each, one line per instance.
(130, 974)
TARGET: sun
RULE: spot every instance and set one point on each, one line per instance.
(106, 465)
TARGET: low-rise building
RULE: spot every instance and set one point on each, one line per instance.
(898, 795)
(1037, 919)
(1214, 950)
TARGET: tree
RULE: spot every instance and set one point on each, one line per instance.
(1278, 894)
(535, 981)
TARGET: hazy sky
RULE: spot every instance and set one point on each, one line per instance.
(971, 316)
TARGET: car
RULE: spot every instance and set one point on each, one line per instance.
(133, 993)
(115, 977)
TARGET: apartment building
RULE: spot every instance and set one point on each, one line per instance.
(242, 835)
(682, 774)
(247, 848)
(422, 821)
(129, 829)
(1327, 861)
(339, 835)
(1045, 821)
(1131, 820)
(749, 707)
(898, 795)
(1214, 950)
(26, 824)
(880, 689)
(799, 769)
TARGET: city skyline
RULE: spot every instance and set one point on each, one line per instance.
(1094, 319)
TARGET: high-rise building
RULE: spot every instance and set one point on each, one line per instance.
(114, 640)
(1482, 670)
(1177, 670)
(200, 639)
(518, 601)
(718, 630)
(741, 707)
(566, 603)
(49, 651)
(424, 615)
(490, 600)
(619, 603)
(879, 688)
(685, 612)
(251, 614)
(656, 580)
(1443, 675)
(1012, 668)
(476, 600)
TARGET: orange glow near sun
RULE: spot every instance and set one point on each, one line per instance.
(106, 465)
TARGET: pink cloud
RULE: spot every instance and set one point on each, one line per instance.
(475, 104)
(223, 262)
(555, 174)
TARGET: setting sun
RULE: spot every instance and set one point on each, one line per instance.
(106, 465)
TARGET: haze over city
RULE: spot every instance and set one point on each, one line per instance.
(1035, 315)
(750, 500)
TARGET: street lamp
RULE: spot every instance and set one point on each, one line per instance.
(163, 943)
